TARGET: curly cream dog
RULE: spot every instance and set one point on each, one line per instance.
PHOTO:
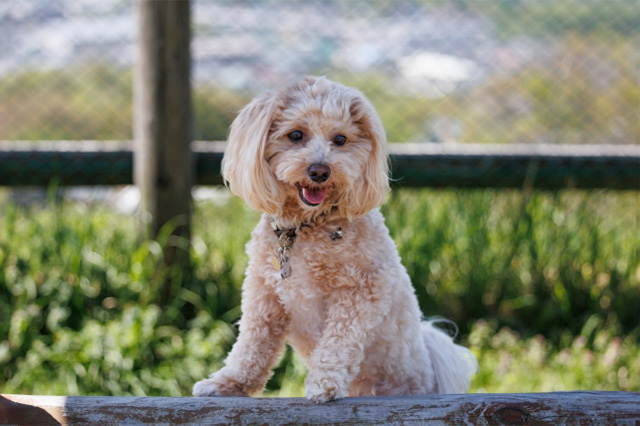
(323, 272)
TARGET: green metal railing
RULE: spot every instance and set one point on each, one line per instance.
(413, 165)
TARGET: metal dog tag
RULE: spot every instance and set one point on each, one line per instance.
(285, 268)
(281, 265)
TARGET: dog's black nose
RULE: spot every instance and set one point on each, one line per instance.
(319, 173)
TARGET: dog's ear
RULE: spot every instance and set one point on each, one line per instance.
(244, 167)
(369, 191)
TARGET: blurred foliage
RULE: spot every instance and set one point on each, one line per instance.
(66, 104)
(95, 103)
(584, 90)
(509, 363)
(80, 312)
(214, 109)
(559, 17)
(548, 18)
(79, 302)
(538, 262)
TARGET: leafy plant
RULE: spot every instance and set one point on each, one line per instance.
(80, 312)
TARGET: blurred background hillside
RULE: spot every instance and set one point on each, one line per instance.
(545, 286)
(498, 71)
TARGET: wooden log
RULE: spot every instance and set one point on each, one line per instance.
(560, 408)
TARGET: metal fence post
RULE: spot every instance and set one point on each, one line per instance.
(163, 161)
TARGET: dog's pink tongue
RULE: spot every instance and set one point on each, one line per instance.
(314, 196)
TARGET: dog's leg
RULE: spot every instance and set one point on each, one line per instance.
(336, 360)
(262, 331)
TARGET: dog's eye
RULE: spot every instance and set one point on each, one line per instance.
(295, 136)
(339, 140)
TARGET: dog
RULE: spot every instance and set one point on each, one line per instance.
(323, 271)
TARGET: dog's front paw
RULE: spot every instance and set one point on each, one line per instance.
(322, 386)
(222, 383)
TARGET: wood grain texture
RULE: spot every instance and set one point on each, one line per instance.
(163, 161)
(561, 408)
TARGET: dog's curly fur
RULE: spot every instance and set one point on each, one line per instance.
(348, 308)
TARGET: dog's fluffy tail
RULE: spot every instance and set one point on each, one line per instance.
(453, 365)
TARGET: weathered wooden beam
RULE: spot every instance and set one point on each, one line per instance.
(414, 165)
(561, 408)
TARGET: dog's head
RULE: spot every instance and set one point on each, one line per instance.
(308, 148)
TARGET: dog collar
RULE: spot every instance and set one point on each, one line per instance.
(291, 233)
(286, 239)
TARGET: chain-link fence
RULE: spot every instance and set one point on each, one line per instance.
(492, 71)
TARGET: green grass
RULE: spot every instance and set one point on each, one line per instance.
(545, 288)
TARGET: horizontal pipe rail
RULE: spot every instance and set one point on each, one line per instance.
(559, 408)
(413, 165)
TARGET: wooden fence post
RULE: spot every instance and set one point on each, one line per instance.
(163, 162)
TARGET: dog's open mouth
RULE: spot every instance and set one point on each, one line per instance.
(311, 196)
